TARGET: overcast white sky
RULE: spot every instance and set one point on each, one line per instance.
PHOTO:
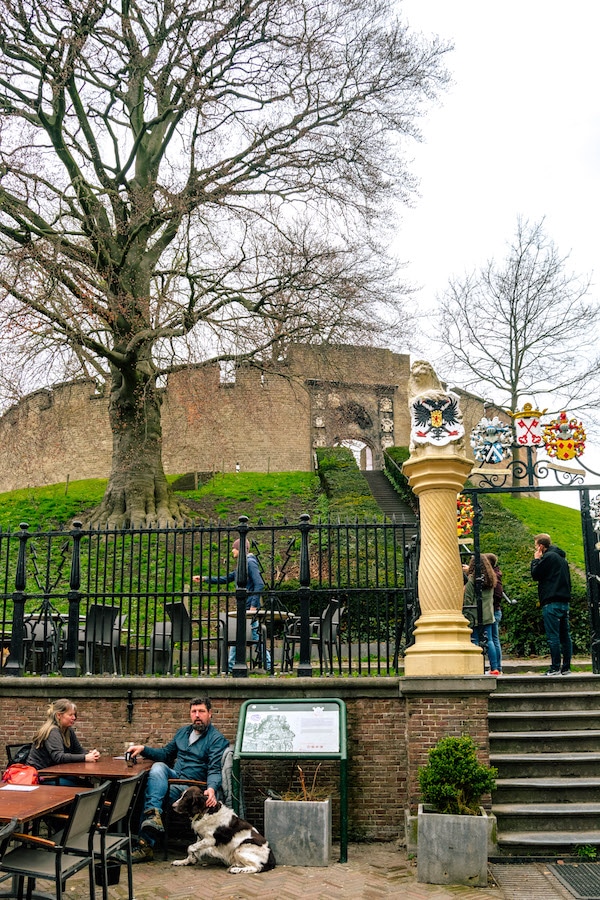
(517, 133)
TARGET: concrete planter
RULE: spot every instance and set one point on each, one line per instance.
(299, 832)
(453, 849)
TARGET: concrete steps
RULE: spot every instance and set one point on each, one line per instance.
(391, 505)
(545, 742)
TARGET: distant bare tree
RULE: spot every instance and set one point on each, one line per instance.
(197, 180)
(524, 327)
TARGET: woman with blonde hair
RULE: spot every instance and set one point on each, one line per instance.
(487, 606)
(56, 741)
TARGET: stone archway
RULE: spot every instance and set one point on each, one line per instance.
(363, 453)
(360, 417)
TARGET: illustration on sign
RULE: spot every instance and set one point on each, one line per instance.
(286, 728)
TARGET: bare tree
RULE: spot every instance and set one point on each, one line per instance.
(524, 327)
(200, 180)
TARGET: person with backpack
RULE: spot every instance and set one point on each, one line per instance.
(254, 586)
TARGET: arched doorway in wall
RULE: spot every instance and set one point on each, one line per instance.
(362, 452)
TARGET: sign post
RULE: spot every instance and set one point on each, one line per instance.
(303, 729)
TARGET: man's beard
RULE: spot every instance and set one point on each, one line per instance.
(200, 727)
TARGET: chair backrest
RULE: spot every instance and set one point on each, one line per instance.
(124, 800)
(5, 833)
(40, 632)
(17, 752)
(227, 775)
(230, 625)
(100, 624)
(85, 812)
(330, 620)
(179, 614)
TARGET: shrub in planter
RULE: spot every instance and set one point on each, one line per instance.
(454, 832)
(454, 781)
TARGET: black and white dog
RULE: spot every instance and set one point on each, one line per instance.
(222, 835)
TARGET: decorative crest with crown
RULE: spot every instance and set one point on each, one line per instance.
(564, 438)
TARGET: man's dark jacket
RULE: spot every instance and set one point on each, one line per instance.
(552, 574)
(200, 760)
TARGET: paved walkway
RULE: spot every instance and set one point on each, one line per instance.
(372, 871)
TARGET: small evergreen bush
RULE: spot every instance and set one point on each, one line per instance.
(454, 780)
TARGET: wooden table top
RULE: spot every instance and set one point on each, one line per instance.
(107, 767)
(31, 804)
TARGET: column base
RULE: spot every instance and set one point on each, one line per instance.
(443, 646)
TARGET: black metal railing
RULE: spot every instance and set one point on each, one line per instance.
(141, 601)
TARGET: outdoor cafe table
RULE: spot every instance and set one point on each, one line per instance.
(106, 768)
(37, 801)
(29, 803)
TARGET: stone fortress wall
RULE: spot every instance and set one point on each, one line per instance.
(265, 420)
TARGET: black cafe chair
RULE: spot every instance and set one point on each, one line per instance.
(46, 859)
(323, 634)
(102, 635)
(113, 831)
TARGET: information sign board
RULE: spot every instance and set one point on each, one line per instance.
(291, 728)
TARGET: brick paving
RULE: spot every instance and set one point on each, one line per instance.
(373, 871)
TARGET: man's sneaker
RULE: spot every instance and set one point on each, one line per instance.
(552, 672)
(152, 821)
(565, 671)
(141, 853)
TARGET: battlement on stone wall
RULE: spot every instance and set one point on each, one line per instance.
(267, 418)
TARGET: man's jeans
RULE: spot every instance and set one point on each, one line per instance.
(156, 790)
(556, 624)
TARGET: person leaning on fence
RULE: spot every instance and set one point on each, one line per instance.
(195, 752)
(550, 569)
(56, 741)
(487, 605)
(254, 586)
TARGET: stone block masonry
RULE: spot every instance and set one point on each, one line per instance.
(268, 419)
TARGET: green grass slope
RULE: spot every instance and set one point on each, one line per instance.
(507, 529)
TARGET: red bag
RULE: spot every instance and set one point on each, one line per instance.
(19, 773)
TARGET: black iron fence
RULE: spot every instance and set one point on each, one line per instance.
(337, 598)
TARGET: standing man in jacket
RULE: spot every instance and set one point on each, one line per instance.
(255, 585)
(550, 569)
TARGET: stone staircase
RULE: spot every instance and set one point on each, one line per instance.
(387, 499)
(545, 743)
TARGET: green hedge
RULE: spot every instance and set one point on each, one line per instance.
(348, 493)
(394, 458)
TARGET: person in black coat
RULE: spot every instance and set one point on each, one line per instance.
(550, 569)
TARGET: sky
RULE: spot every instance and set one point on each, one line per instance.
(517, 133)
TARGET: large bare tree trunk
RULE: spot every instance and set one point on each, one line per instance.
(137, 492)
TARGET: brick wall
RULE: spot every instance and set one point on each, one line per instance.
(439, 707)
(391, 725)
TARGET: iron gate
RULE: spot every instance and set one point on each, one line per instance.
(528, 476)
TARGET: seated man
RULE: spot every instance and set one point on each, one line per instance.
(195, 752)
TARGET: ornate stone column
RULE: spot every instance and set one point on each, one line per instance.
(436, 471)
